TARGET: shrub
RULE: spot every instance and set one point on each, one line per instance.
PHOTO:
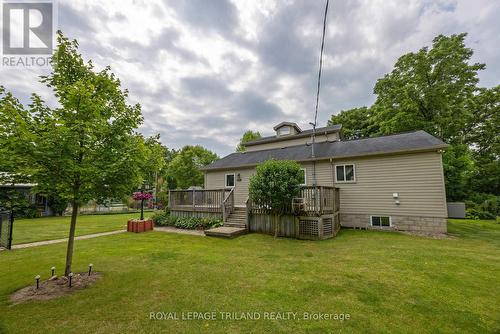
(161, 219)
(188, 223)
(483, 206)
(193, 223)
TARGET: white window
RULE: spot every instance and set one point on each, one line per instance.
(303, 177)
(230, 179)
(345, 173)
(380, 221)
(284, 131)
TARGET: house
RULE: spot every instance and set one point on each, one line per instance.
(38, 202)
(392, 182)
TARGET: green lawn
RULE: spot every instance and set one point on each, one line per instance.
(386, 282)
(48, 228)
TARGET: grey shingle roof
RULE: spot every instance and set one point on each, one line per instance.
(411, 141)
(305, 133)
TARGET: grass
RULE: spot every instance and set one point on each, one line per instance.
(386, 282)
(49, 228)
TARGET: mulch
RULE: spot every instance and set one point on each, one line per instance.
(54, 287)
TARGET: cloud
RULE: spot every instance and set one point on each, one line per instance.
(206, 71)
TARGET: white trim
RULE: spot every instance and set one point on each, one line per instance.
(343, 165)
(225, 180)
(305, 176)
(380, 216)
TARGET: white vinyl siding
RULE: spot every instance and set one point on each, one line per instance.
(417, 178)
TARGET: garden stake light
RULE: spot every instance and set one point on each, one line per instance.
(53, 271)
(90, 268)
(70, 278)
(37, 278)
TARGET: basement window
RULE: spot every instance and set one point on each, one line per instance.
(380, 221)
(345, 173)
(229, 180)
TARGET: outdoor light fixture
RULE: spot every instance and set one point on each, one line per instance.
(37, 278)
(53, 271)
(90, 268)
(70, 278)
(238, 177)
(395, 195)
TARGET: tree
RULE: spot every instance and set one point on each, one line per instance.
(247, 136)
(185, 166)
(356, 123)
(274, 185)
(458, 167)
(87, 148)
(483, 136)
(435, 89)
(429, 90)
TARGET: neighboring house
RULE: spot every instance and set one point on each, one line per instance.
(387, 182)
(37, 201)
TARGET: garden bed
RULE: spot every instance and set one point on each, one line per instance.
(186, 223)
(54, 287)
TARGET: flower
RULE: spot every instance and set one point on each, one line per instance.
(140, 196)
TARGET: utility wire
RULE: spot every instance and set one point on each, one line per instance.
(317, 93)
(320, 63)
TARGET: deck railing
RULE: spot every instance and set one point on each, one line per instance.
(228, 205)
(198, 200)
(312, 200)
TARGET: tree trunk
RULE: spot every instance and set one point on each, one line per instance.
(71, 239)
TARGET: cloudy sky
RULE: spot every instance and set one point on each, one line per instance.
(205, 71)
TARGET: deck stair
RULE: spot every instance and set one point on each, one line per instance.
(238, 218)
(235, 225)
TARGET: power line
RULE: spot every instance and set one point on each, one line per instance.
(321, 62)
(317, 93)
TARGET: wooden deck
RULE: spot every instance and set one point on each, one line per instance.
(312, 201)
(313, 214)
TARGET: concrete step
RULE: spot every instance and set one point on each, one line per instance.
(225, 232)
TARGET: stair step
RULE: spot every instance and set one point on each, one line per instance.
(225, 232)
(235, 225)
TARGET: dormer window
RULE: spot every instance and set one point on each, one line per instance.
(283, 131)
(286, 129)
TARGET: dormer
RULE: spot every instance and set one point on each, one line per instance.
(289, 134)
(287, 129)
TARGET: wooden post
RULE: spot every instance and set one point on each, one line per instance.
(193, 198)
